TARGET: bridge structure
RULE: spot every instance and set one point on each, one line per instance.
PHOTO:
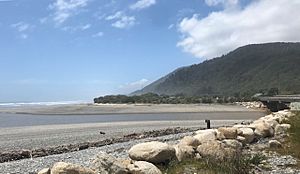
(279, 102)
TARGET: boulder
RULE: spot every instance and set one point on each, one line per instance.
(241, 139)
(263, 129)
(220, 136)
(154, 152)
(273, 123)
(274, 144)
(215, 149)
(105, 163)
(189, 141)
(184, 152)
(143, 167)
(240, 126)
(44, 171)
(233, 144)
(206, 131)
(282, 128)
(248, 134)
(68, 168)
(206, 136)
(228, 132)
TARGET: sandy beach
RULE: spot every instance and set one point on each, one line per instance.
(97, 109)
(51, 126)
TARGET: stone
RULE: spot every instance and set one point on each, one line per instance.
(206, 136)
(143, 167)
(263, 129)
(220, 136)
(206, 131)
(68, 168)
(273, 123)
(184, 152)
(239, 126)
(241, 139)
(282, 128)
(215, 149)
(154, 152)
(106, 164)
(233, 144)
(274, 144)
(44, 171)
(228, 132)
(189, 141)
(248, 134)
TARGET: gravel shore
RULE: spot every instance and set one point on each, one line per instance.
(53, 135)
(83, 157)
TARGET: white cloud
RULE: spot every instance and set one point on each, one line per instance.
(260, 22)
(124, 22)
(141, 4)
(117, 15)
(85, 27)
(221, 2)
(21, 26)
(170, 26)
(23, 29)
(133, 86)
(77, 28)
(63, 9)
(121, 20)
(99, 34)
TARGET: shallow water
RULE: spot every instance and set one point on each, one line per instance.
(16, 120)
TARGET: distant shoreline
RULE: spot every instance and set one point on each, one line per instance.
(107, 109)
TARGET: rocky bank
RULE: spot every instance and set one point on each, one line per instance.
(222, 143)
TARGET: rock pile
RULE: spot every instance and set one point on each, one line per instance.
(254, 104)
(221, 144)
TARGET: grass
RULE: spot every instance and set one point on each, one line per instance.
(291, 146)
(239, 164)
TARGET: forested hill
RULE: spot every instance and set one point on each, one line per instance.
(247, 70)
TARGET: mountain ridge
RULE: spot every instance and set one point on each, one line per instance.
(248, 69)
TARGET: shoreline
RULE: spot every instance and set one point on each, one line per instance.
(107, 109)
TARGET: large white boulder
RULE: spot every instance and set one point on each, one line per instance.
(143, 167)
(232, 144)
(189, 141)
(206, 131)
(206, 135)
(248, 134)
(228, 132)
(68, 168)
(263, 129)
(44, 171)
(154, 152)
(215, 149)
(184, 152)
(106, 164)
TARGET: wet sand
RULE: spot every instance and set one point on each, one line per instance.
(70, 124)
(97, 109)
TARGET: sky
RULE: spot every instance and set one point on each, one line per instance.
(58, 50)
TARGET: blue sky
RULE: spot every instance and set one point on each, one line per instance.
(55, 50)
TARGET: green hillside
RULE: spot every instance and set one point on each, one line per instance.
(247, 70)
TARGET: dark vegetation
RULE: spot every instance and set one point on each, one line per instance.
(241, 73)
(292, 143)
(165, 99)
